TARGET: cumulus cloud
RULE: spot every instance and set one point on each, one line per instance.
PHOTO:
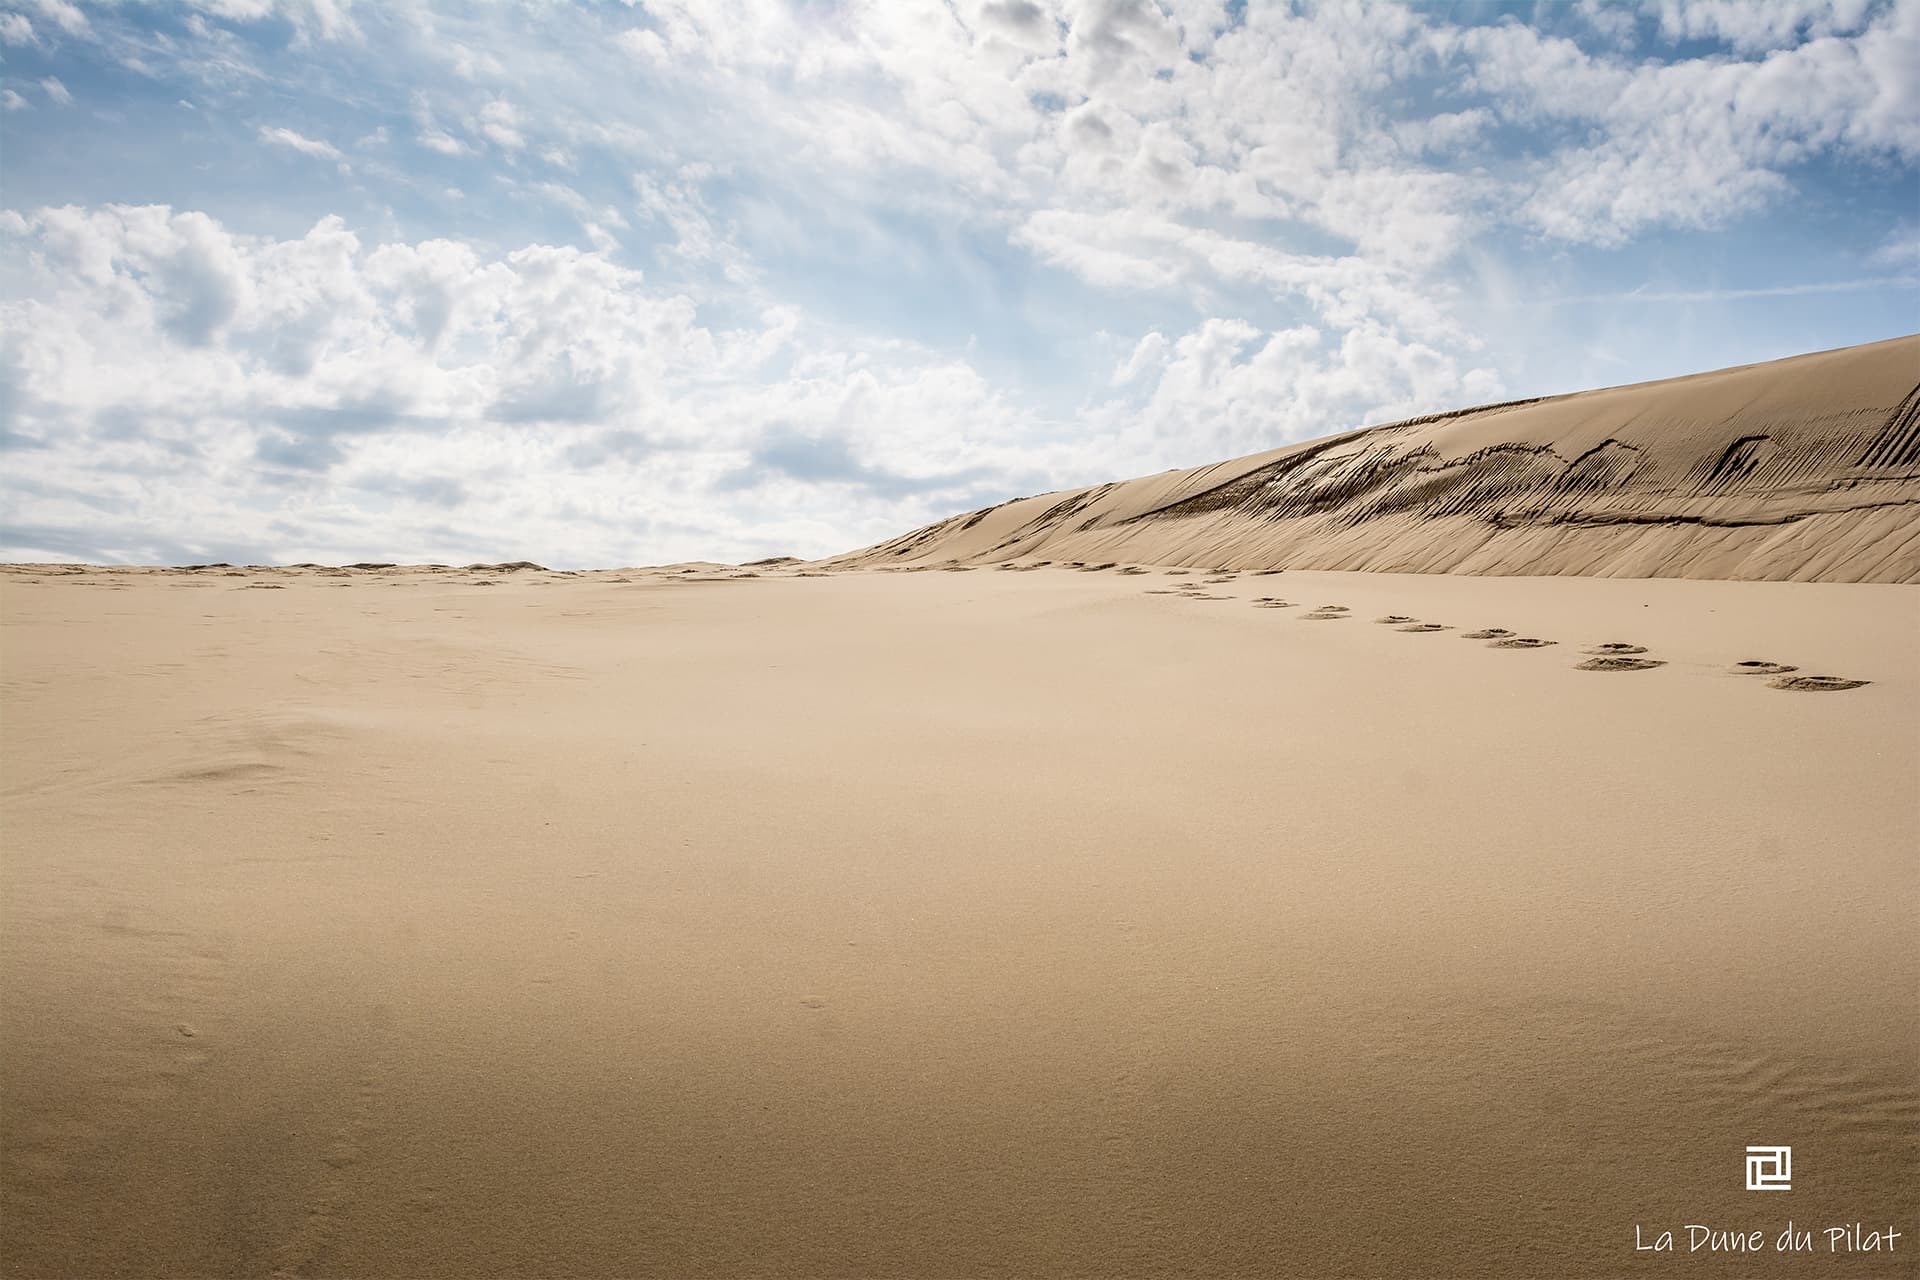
(1228, 388)
(1754, 28)
(1186, 108)
(1694, 143)
(274, 379)
(277, 386)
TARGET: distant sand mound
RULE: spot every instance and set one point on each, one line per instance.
(1804, 469)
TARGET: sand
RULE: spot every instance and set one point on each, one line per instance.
(1805, 469)
(449, 924)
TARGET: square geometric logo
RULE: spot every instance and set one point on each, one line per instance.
(1769, 1168)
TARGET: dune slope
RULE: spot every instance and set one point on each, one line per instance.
(1805, 469)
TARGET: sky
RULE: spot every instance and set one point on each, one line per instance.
(635, 283)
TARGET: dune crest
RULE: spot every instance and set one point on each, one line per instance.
(1803, 469)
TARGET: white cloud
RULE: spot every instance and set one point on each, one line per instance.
(1288, 115)
(275, 379)
(280, 137)
(56, 91)
(268, 395)
(1129, 250)
(499, 122)
(330, 21)
(439, 140)
(1227, 388)
(1117, 38)
(65, 16)
(696, 238)
(475, 64)
(1695, 143)
(1756, 28)
(15, 29)
(1901, 248)
(1614, 22)
(11, 101)
(643, 44)
(1149, 353)
(237, 10)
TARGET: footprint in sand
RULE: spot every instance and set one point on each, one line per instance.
(1617, 650)
(1618, 664)
(1520, 642)
(1755, 667)
(1215, 581)
(333, 1192)
(1815, 684)
(1271, 602)
(1395, 619)
(1330, 608)
(1323, 615)
(1425, 626)
(1488, 633)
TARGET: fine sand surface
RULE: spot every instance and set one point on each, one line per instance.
(989, 923)
(1805, 469)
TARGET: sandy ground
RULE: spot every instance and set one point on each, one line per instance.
(949, 925)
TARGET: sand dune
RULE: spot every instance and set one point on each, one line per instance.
(1080, 917)
(1806, 469)
(452, 923)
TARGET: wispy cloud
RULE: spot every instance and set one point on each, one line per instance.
(281, 137)
(1651, 297)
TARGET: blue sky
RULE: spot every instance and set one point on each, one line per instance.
(618, 283)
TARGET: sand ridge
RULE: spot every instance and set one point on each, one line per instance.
(1803, 469)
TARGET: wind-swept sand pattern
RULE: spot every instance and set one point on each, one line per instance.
(694, 923)
(1805, 469)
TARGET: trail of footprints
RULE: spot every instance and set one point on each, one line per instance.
(1615, 655)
